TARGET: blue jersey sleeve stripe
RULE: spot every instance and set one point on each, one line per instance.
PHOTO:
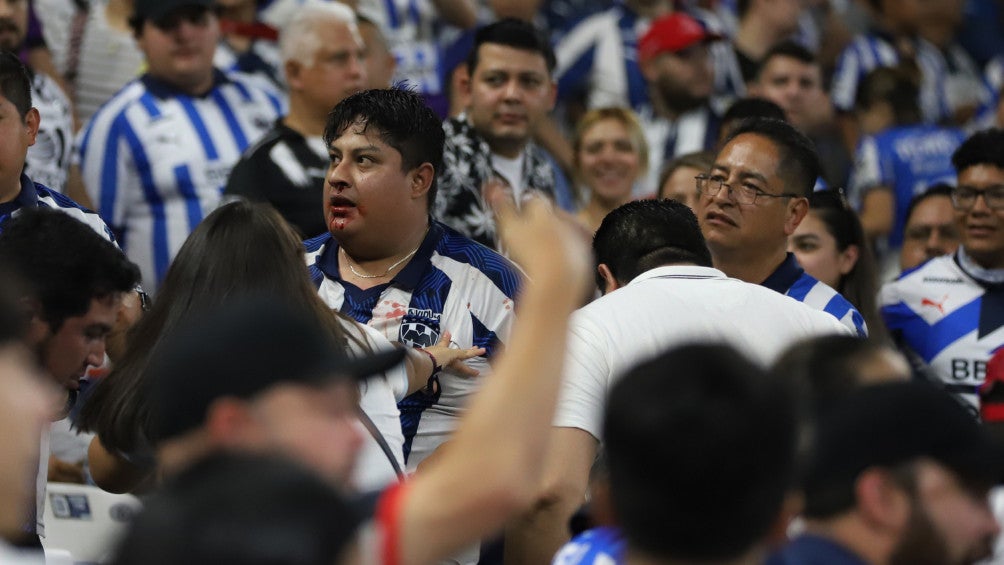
(193, 207)
(108, 190)
(200, 128)
(242, 90)
(801, 288)
(161, 252)
(837, 307)
(148, 103)
(228, 114)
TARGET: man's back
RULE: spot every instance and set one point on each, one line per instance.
(670, 306)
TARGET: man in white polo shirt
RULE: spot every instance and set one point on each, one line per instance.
(660, 290)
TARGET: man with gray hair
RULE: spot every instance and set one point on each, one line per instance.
(322, 55)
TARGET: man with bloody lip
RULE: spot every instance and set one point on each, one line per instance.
(752, 199)
(387, 264)
(949, 312)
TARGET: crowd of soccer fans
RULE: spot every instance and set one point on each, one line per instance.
(443, 281)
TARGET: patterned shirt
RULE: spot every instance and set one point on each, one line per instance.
(467, 165)
(791, 280)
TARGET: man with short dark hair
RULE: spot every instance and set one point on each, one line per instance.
(74, 282)
(949, 313)
(660, 290)
(155, 158)
(509, 89)
(700, 444)
(898, 474)
(753, 198)
(386, 264)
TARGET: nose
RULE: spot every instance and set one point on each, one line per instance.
(96, 356)
(980, 206)
(511, 89)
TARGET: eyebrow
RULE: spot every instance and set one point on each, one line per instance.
(356, 150)
(742, 174)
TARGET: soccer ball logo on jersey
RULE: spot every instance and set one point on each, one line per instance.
(419, 332)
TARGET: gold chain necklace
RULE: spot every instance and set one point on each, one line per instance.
(350, 260)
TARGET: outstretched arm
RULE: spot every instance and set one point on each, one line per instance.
(494, 462)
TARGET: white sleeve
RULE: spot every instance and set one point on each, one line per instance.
(586, 379)
(867, 173)
(397, 378)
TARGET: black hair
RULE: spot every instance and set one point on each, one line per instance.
(745, 108)
(13, 318)
(701, 445)
(787, 48)
(799, 162)
(64, 264)
(15, 82)
(644, 234)
(893, 86)
(244, 509)
(982, 148)
(938, 189)
(515, 33)
(401, 119)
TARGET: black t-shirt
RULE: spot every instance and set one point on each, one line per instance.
(283, 170)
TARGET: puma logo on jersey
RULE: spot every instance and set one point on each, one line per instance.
(939, 305)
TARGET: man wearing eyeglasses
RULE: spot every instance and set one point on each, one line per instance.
(948, 314)
(752, 199)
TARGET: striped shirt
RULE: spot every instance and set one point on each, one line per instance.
(451, 284)
(950, 313)
(949, 80)
(36, 195)
(411, 28)
(600, 56)
(791, 280)
(155, 161)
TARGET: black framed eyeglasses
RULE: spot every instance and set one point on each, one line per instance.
(743, 194)
(964, 197)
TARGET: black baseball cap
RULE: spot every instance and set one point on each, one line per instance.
(240, 350)
(156, 10)
(891, 424)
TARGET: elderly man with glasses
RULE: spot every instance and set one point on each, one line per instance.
(948, 314)
(767, 170)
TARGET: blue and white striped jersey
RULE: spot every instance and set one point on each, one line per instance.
(949, 80)
(599, 546)
(48, 160)
(600, 55)
(36, 195)
(791, 280)
(155, 161)
(451, 284)
(411, 28)
(695, 130)
(950, 313)
(906, 160)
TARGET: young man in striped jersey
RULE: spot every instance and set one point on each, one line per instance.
(388, 265)
(156, 157)
(949, 312)
(752, 199)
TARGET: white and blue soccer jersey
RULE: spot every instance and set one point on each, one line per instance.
(951, 319)
(411, 28)
(600, 55)
(451, 284)
(48, 160)
(695, 130)
(907, 160)
(155, 161)
(599, 546)
(949, 80)
(35, 195)
(791, 280)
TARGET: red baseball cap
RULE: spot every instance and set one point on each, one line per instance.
(673, 33)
